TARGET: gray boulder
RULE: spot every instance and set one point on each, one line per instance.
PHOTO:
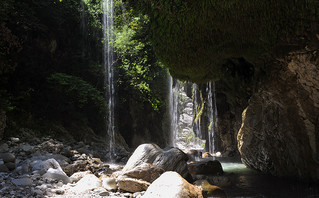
(170, 160)
(44, 166)
(145, 171)
(57, 174)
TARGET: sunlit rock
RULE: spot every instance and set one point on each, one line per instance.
(87, 183)
(78, 165)
(145, 171)
(57, 174)
(109, 183)
(209, 189)
(44, 166)
(172, 185)
(132, 184)
(75, 177)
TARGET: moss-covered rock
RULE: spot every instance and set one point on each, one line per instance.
(195, 38)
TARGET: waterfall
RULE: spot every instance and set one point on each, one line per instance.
(108, 57)
(83, 27)
(212, 115)
(173, 109)
(197, 127)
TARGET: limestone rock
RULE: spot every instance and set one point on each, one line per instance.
(172, 185)
(132, 184)
(145, 171)
(170, 160)
(209, 167)
(109, 183)
(78, 165)
(57, 174)
(279, 132)
(44, 166)
(75, 177)
(87, 183)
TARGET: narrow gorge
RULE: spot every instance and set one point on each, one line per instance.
(147, 98)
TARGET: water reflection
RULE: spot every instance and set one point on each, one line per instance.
(250, 183)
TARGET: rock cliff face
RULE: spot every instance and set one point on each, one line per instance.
(218, 40)
(280, 127)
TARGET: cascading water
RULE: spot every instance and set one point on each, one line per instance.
(173, 108)
(215, 115)
(108, 58)
(212, 115)
(196, 122)
(83, 27)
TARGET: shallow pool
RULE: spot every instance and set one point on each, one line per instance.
(250, 183)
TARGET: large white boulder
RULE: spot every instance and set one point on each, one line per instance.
(172, 185)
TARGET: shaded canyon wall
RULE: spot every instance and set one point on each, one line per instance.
(280, 127)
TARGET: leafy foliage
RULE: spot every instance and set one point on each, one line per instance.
(138, 67)
(76, 91)
(50, 68)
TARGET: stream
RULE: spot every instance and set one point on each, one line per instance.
(250, 183)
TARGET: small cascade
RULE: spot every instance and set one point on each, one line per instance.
(181, 113)
(108, 58)
(197, 109)
(215, 119)
(212, 115)
(174, 116)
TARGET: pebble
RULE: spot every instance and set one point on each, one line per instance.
(4, 147)
(59, 192)
(103, 194)
(14, 139)
(3, 168)
(11, 165)
(26, 147)
(7, 157)
(22, 181)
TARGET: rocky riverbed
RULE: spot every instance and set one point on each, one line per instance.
(45, 167)
(33, 166)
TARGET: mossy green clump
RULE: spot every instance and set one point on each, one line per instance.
(195, 38)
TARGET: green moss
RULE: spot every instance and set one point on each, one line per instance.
(195, 38)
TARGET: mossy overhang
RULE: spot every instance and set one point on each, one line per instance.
(194, 39)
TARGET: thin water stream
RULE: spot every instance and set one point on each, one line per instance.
(108, 59)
